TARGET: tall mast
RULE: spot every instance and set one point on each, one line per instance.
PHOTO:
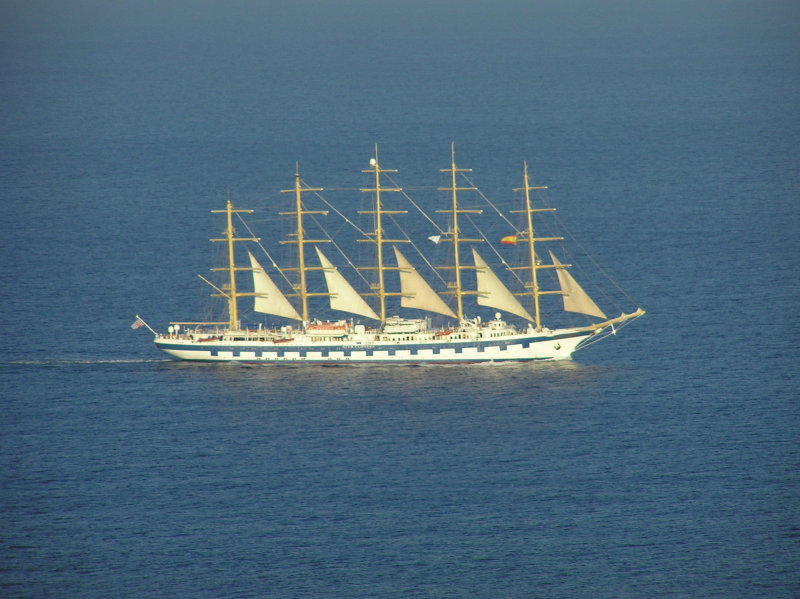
(378, 236)
(456, 238)
(301, 241)
(531, 240)
(229, 289)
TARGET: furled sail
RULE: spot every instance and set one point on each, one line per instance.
(416, 291)
(492, 292)
(269, 299)
(575, 298)
(343, 296)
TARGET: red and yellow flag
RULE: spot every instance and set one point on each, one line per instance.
(509, 240)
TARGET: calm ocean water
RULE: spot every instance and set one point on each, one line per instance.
(660, 463)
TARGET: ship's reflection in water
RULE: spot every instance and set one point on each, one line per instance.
(519, 381)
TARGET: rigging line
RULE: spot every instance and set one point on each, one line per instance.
(345, 219)
(580, 269)
(413, 203)
(418, 187)
(598, 290)
(614, 330)
(335, 188)
(263, 249)
(336, 210)
(423, 188)
(494, 249)
(488, 201)
(422, 255)
(602, 270)
(339, 249)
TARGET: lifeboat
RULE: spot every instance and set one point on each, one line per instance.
(327, 329)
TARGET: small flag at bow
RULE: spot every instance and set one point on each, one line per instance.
(435, 238)
(137, 323)
(509, 240)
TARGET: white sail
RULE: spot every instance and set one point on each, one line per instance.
(575, 298)
(492, 292)
(269, 299)
(416, 291)
(343, 296)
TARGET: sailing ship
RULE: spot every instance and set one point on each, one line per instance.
(371, 334)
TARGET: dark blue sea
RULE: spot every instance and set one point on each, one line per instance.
(663, 462)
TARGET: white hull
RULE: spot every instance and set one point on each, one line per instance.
(376, 347)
